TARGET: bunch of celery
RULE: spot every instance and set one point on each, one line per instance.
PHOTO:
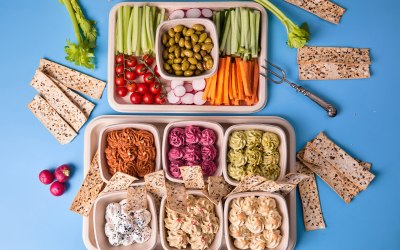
(239, 32)
(297, 36)
(136, 28)
(82, 53)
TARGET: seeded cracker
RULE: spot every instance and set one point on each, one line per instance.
(73, 79)
(322, 8)
(176, 197)
(338, 158)
(192, 177)
(59, 128)
(155, 184)
(247, 183)
(58, 100)
(119, 181)
(312, 212)
(217, 189)
(340, 184)
(90, 189)
(136, 199)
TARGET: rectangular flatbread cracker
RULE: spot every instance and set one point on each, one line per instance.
(312, 211)
(155, 184)
(341, 55)
(119, 181)
(217, 189)
(136, 199)
(73, 79)
(333, 71)
(83, 104)
(339, 183)
(247, 183)
(58, 100)
(89, 190)
(339, 159)
(59, 128)
(324, 9)
(192, 177)
(176, 197)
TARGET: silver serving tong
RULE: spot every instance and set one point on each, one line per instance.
(325, 105)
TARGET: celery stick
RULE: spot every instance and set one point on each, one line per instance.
(257, 13)
(126, 16)
(129, 35)
(162, 15)
(233, 33)
(227, 28)
(228, 44)
(218, 22)
(120, 39)
(252, 18)
(143, 34)
(243, 27)
(135, 13)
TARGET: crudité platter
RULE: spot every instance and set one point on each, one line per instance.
(94, 128)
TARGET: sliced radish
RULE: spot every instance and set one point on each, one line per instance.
(188, 87)
(172, 98)
(193, 13)
(176, 14)
(168, 88)
(179, 91)
(198, 98)
(199, 84)
(207, 13)
(176, 83)
(187, 98)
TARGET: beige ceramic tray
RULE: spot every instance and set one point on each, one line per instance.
(96, 125)
(123, 104)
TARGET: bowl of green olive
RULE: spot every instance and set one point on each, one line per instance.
(187, 49)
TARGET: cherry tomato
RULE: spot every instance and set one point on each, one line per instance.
(155, 88)
(130, 75)
(131, 86)
(136, 98)
(119, 58)
(148, 98)
(140, 69)
(149, 78)
(119, 69)
(156, 71)
(131, 62)
(119, 80)
(142, 88)
(148, 59)
(122, 91)
(160, 99)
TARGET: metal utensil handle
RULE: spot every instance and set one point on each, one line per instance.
(324, 104)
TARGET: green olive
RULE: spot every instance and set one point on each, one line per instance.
(207, 47)
(208, 40)
(198, 33)
(182, 42)
(171, 32)
(189, 32)
(209, 64)
(187, 38)
(171, 56)
(188, 45)
(198, 27)
(182, 55)
(165, 54)
(177, 60)
(178, 28)
(185, 65)
(198, 72)
(188, 73)
(176, 66)
(198, 56)
(172, 48)
(192, 60)
(192, 67)
(203, 53)
(203, 37)
(177, 52)
(178, 72)
(199, 66)
(196, 48)
(171, 41)
(188, 53)
(164, 39)
(169, 71)
(177, 37)
(167, 66)
(170, 61)
(184, 31)
(195, 38)
(207, 57)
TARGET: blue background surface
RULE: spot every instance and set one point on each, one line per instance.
(367, 125)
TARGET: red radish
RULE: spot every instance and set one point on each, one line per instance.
(172, 98)
(179, 91)
(62, 173)
(176, 83)
(57, 188)
(176, 14)
(187, 98)
(193, 13)
(46, 177)
(188, 87)
(198, 98)
(207, 13)
(199, 84)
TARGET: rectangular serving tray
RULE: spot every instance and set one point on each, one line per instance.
(123, 104)
(96, 125)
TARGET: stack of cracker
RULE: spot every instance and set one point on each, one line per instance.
(324, 9)
(332, 63)
(346, 175)
(61, 110)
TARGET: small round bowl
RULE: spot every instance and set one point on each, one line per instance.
(188, 22)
